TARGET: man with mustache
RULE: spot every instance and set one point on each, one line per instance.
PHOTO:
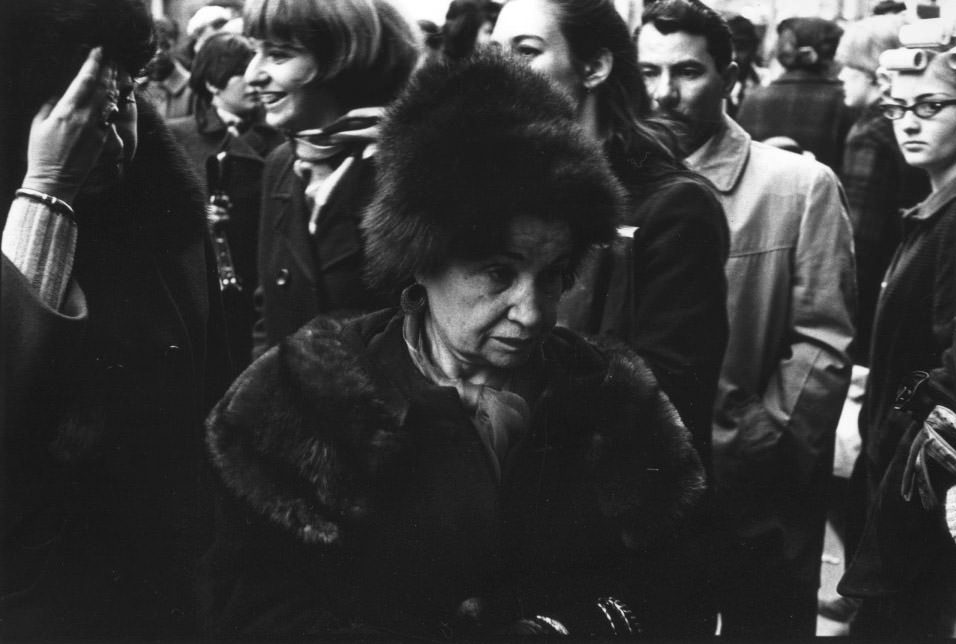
(791, 297)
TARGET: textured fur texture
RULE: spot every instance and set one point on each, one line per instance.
(307, 436)
(468, 147)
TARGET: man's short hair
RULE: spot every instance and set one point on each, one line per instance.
(695, 18)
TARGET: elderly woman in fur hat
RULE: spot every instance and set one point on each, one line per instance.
(458, 466)
(112, 335)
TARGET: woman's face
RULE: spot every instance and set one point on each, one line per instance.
(530, 29)
(121, 140)
(859, 87)
(282, 74)
(928, 143)
(490, 314)
(236, 97)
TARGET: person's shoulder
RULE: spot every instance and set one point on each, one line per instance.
(789, 167)
(682, 197)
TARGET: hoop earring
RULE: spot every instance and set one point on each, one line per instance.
(413, 299)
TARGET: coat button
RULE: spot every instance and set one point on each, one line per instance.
(283, 277)
(171, 351)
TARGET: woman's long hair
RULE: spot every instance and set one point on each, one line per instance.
(643, 150)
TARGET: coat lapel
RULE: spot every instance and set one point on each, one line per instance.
(291, 219)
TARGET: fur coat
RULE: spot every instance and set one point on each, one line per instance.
(357, 497)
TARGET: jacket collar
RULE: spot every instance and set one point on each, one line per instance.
(723, 157)
(934, 204)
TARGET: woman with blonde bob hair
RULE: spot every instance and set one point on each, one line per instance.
(904, 568)
(322, 71)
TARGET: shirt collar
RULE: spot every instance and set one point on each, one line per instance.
(933, 204)
(723, 157)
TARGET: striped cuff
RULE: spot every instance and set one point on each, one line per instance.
(41, 243)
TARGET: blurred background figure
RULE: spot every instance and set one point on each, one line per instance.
(879, 184)
(207, 21)
(904, 566)
(113, 343)
(751, 73)
(883, 7)
(467, 23)
(167, 79)
(227, 142)
(323, 72)
(806, 101)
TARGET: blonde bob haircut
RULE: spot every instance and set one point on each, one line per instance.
(864, 40)
(365, 49)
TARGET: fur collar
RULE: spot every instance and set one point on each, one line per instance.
(309, 433)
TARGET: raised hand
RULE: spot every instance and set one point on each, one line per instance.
(68, 133)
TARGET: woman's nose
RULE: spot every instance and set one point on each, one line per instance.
(910, 123)
(530, 306)
(254, 75)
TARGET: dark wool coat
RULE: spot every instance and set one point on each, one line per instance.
(205, 135)
(679, 294)
(806, 107)
(906, 557)
(358, 497)
(301, 276)
(103, 509)
(879, 185)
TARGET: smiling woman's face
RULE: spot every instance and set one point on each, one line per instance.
(283, 75)
(489, 315)
(930, 143)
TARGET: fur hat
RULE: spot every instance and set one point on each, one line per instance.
(468, 147)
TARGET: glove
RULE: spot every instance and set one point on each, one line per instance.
(931, 465)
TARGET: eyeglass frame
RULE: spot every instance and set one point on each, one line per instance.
(884, 107)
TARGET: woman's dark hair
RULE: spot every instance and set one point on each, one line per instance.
(221, 57)
(470, 146)
(42, 46)
(365, 49)
(643, 149)
(807, 43)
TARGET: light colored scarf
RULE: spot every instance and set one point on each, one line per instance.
(315, 150)
(501, 417)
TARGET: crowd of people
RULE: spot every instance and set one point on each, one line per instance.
(325, 323)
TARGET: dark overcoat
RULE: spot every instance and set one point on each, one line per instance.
(303, 275)
(358, 498)
(103, 505)
(905, 563)
(205, 135)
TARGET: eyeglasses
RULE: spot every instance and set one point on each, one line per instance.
(922, 109)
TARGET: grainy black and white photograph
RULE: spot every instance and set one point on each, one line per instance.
(477, 320)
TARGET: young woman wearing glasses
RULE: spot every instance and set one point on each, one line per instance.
(905, 563)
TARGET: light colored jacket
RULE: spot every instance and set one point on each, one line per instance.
(791, 300)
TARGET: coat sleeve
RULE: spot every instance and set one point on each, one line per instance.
(680, 322)
(794, 420)
(36, 339)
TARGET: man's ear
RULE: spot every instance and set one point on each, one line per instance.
(730, 76)
(211, 88)
(598, 69)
